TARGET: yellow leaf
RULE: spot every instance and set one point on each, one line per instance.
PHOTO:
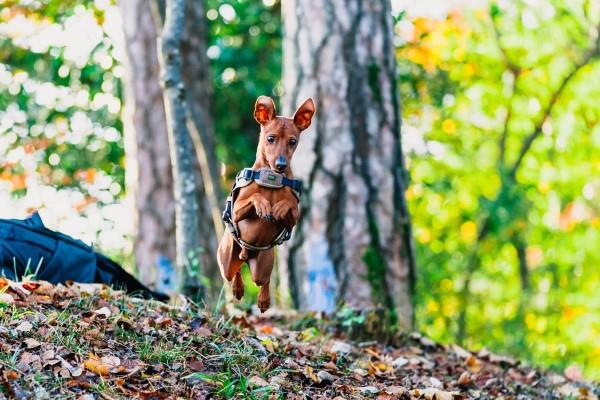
(449, 126)
(93, 364)
(468, 231)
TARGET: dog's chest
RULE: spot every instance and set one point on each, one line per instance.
(272, 195)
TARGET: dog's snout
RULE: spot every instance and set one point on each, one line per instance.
(280, 163)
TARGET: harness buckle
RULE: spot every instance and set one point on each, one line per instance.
(248, 174)
(267, 178)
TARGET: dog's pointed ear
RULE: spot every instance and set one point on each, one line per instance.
(304, 114)
(264, 110)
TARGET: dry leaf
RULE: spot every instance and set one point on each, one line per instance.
(473, 364)
(110, 361)
(432, 394)
(258, 381)
(368, 390)
(326, 376)
(71, 370)
(31, 343)
(460, 352)
(24, 327)
(30, 285)
(103, 312)
(6, 298)
(341, 347)
(573, 373)
(464, 379)
(93, 364)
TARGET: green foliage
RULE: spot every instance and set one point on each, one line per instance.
(475, 84)
(66, 102)
(246, 61)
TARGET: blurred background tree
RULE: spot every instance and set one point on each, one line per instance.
(507, 257)
(353, 240)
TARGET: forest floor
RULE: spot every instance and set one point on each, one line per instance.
(91, 342)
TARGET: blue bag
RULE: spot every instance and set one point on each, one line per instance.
(28, 247)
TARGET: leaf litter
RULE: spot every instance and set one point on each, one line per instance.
(92, 342)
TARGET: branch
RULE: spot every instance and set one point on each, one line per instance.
(509, 64)
(590, 55)
(504, 136)
(516, 71)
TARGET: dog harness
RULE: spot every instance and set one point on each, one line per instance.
(264, 177)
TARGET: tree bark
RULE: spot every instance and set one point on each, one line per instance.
(148, 164)
(199, 93)
(181, 149)
(353, 241)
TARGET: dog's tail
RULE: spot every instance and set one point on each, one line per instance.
(244, 254)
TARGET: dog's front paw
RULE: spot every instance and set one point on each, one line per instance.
(262, 207)
(281, 209)
(287, 212)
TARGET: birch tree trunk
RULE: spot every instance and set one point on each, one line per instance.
(353, 241)
(181, 149)
(148, 164)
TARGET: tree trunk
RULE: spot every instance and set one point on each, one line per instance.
(353, 241)
(148, 164)
(199, 92)
(181, 148)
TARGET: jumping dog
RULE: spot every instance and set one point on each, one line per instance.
(263, 205)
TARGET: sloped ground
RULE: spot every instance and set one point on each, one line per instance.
(90, 342)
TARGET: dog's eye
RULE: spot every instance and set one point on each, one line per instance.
(293, 142)
(271, 139)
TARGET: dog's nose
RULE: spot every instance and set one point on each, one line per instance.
(280, 163)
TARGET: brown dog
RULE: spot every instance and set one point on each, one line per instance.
(259, 214)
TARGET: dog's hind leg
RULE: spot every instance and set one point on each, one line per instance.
(261, 267)
(237, 286)
(244, 254)
(228, 257)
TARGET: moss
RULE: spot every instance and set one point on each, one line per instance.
(373, 79)
(377, 269)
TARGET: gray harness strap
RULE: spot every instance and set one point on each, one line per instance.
(263, 177)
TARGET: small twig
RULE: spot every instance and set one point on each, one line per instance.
(505, 130)
(590, 55)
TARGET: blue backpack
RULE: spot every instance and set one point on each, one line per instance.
(27, 247)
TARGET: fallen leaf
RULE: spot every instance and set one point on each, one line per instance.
(6, 298)
(399, 362)
(258, 381)
(368, 390)
(464, 379)
(196, 365)
(93, 364)
(432, 394)
(573, 373)
(435, 382)
(473, 364)
(103, 312)
(330, 366)
(340, 347)
(396, 390)
(31, 343)
(24, 327)
(203, 332)
(110, 361)
(30, 285)
(326, 376)
(309, 372)
(460, 352)
(72, 371)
